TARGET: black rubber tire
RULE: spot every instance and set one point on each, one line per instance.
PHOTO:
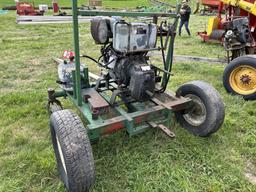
(79, 172)
(53, 107)
(249, 60)
(214, 106)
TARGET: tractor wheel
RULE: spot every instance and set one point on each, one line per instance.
(239, 77)
(206, 113)
(73, 151)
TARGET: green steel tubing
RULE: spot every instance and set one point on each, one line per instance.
(77, 53)
(74, 84)
(169, 57)
(61, 93)
(76, 12)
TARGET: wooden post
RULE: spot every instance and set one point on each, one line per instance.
(95, 2)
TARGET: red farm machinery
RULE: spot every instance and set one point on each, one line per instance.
(236, 31)
(26, 8)
(209, 6)
(29, 9)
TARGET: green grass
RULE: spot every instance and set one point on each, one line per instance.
(147, 162)
(65, 3)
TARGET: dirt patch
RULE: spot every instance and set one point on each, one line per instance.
(15, 39)
(250, 173)
(251, 178)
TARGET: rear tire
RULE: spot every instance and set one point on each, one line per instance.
(206, 114)
(239, 77)
(73, 151)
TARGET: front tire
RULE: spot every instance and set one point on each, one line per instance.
(239, 77)
(73, 151)
(54, 106)
(206, 113)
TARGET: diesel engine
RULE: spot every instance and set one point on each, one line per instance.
(238, 35)
(124, 53)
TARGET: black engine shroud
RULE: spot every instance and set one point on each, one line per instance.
(135, 73)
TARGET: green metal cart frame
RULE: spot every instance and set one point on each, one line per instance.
(155, 113)
(108, 106)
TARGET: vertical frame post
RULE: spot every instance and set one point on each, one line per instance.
(77, 52)
(169, 57)
(74, 84)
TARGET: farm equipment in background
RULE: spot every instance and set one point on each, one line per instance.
(236, 30)
(56, 8)
(26, 8)
(95, 3)
(130, 92)
(210, 7)
(239, 77)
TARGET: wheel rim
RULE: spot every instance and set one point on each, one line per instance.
(61, 155)
(243, 80)
(196, 115)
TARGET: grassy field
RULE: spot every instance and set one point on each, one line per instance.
(65, 3)
(147, 162)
